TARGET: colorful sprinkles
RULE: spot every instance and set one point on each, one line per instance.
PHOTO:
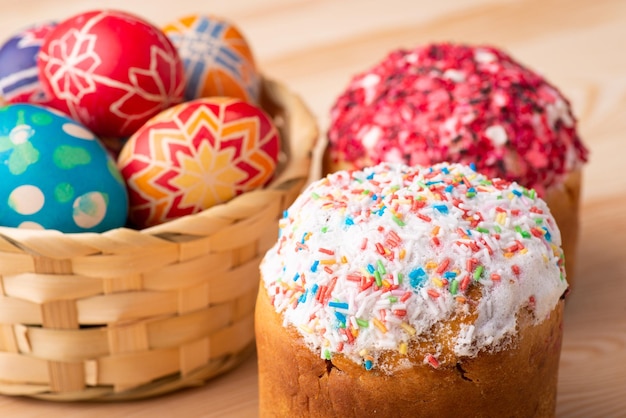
(458, 103)
(379, 282)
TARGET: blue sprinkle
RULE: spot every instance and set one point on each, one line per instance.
(417, 277)
(471, 190)
(472, 166)
(382, 210)
(340, 317)
(285, 214)
(371, 176)
(441, 208)
(314, 289)
(371, 268)
(517, 193)
(296, 277)
(314, 266)
(303, 237)
(547, 234)
(338, 305)
(349, 221)
(445, 170)
(368, 364)
(302, 298)
(449, 188)
(449, 274)
(374, 196)
(432, 183)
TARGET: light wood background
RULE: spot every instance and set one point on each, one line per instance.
(315, 46)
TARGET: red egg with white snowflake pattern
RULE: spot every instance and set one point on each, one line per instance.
(110, 70)
(196, 155)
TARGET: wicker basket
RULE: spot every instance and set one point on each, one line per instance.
(129, 314)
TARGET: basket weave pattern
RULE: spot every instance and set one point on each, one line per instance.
(128, 314)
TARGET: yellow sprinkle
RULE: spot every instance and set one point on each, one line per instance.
(409, 329)
(523, 251)
(326, 343)
(363, 353)
(501, 218)
(431, 265)
(403, 348)
(307, 236)
(545, 258)
(386, 284)
(306, 329)
(344, 260)
(435, 230)
(379, 325)
(402, 254)
(355, 332)
(461, 299)
(510, 196)
(437, 281)
(509, 255)
(328, 261)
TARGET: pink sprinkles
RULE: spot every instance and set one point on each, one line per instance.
(458, 103)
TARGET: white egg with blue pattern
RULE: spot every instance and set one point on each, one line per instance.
(55, 174)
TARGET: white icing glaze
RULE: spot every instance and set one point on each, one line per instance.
(360, 264)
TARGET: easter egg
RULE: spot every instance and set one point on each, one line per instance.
(19, 75)
(217, 58)
(55, 174)
(195, 155)
(110, 70)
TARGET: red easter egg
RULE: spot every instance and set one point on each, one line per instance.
(195, 155)
(110, 70)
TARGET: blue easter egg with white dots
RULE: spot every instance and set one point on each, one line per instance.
(55, 174)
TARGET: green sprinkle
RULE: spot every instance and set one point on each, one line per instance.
(538, 221)
(327, 354)
(526, 234)
(379, 280)
(315, 196)
(454, 287)
(478, 272)
(324, 229)
(400, 278)
(393, 299)
(483, 230)
(497, 229)
(381, 268)
(397, 220)
(362, 323)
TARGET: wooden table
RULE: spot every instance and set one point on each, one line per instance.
(315, 46)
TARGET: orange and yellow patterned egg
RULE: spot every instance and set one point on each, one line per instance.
(195, 155)
(218, 60)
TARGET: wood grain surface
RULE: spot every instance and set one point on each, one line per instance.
(315, 46)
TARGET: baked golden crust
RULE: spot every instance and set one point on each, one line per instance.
(519, 381)
(564, 201)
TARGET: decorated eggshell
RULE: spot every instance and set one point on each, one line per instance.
(195, 155)
(111, 71)
(55, 174)
(19, 75)
(217, 58)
